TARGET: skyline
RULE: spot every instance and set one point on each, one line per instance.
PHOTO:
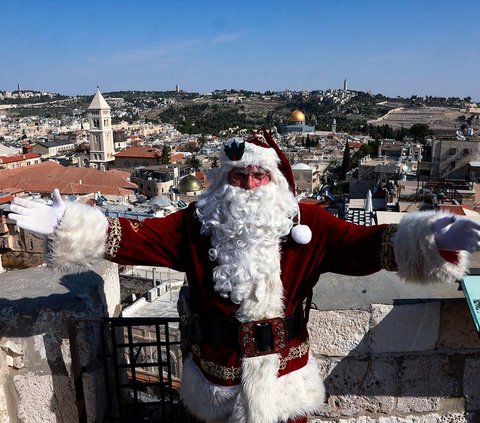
(421, 47)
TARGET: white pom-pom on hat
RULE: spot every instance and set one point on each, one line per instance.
(301, 234)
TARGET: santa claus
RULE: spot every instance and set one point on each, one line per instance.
(252, 256)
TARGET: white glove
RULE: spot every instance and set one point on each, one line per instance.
(37, 217)
(457, 234)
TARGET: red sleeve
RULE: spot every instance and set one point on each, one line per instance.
(153, 242)
(349, 249)
(451, 256)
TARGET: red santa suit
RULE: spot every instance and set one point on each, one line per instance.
(225, 381)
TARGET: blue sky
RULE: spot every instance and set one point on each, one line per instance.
(383, 46)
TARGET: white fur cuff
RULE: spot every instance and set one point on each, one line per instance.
(294, 395)
(417, 255)
(78, 240)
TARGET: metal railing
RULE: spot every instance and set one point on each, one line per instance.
(142, 365)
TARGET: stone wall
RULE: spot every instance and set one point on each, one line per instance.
(36, 384)
(411, 360)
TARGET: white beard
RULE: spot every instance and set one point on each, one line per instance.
(246, 227)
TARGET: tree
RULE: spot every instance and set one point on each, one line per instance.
(346, 161)
(193, 162)
(420, 131)
(165, 157)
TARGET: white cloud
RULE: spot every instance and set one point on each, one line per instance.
(169, 52)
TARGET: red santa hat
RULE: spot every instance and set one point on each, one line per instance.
(261, 150)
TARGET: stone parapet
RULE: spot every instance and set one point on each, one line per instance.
(36, 383)
(410, 362)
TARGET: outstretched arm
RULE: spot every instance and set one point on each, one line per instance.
(455, 234)
(432, 246)
(37, 217)
(78, 235)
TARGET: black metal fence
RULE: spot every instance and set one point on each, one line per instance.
(142, 365)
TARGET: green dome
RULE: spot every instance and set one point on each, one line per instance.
(189, 183)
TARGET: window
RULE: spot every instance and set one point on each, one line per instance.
(452, 151)
(452, 165)
(466, 152)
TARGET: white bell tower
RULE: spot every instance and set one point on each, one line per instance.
(101, 133)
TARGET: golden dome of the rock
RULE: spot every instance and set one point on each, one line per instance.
(297, 116)
(189, 183)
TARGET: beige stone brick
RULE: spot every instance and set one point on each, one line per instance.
(457, 329)
(355, 386)
(404, 328)
(423, 418)
(338, 333)
(471, 383)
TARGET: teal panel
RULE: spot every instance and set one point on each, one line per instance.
(471, 289)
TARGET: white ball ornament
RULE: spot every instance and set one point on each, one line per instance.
(301, 234)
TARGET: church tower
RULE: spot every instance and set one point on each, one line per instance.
(345, 85)
(101, 133)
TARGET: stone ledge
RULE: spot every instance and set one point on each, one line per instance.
(35, 362)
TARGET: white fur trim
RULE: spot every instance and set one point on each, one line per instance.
(272, 400)
(78, 240)
(209, 402)
(254, 155)
(417, 255)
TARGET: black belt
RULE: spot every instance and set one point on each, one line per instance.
(252, 338)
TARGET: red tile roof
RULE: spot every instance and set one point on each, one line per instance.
(140, 152)
(6, 199)
(11, 159)
(46, 176)
(176, 156)
(354, 144)
(455, 209)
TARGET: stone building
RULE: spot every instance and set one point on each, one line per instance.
(100, 134)
(13, 162)
(156, 180)
(305, 180)
(137, 156)
(451, 157)
(49, 149)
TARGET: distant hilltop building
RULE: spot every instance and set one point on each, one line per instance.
(345, 85)
(296, 123)
(101, 133)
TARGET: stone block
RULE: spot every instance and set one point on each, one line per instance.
(423, 381)
(36, 391)
(355, 386)
(471, 384)
(4, 417)
(457, 329)
(424, 418)
(338, 333)
(417, 404)
(404, 328)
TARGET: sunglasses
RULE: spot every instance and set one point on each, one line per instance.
(240, 176)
